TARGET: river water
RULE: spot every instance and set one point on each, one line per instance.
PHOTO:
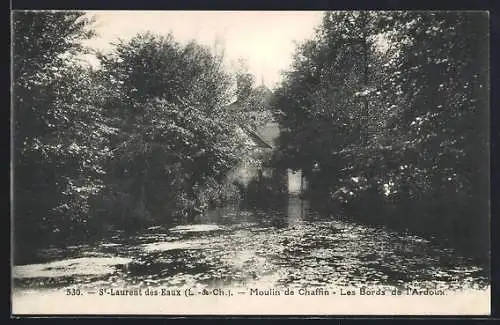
(289, 246)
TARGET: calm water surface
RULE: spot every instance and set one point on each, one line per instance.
(291, 246)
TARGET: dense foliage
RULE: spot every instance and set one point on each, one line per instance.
(176, 140)
(144, 138)
(385, 112)
(58, 137)
(388, 114)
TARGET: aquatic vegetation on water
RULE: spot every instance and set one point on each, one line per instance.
(320, 252)
(70, 267)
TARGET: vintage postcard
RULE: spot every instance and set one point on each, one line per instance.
(250, 163)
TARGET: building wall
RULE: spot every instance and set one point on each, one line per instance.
(243, 174)
(286, 181)
(297, 183)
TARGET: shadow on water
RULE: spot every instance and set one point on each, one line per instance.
(285, 241)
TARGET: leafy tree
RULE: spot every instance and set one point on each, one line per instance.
(330, 101)
(58, 137)
(390, 109)
(245, 81)
(443, 78)
(176, 136)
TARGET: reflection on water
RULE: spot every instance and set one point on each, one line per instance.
(288, 244)
(283, 214)
(296, 210)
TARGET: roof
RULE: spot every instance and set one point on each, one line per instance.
(269, 132)
(256, 137)
(265, 135)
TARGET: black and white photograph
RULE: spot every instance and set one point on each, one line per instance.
(250, 162)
